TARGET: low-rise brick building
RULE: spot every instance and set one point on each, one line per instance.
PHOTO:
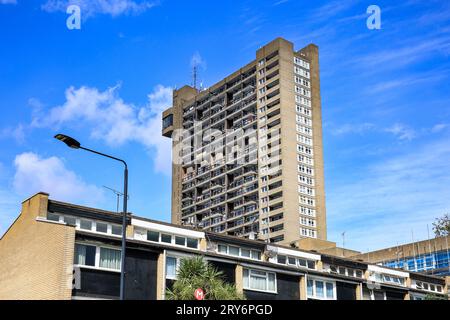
(56, 250)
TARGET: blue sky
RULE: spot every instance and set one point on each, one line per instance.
(385, 100)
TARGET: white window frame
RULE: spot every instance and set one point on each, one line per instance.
(436, 286)
(310, 212)
(172, 241)
(178, 259)
(227, 253)
(267, 280)
(97, 256)
(93, 224)
(324, 281)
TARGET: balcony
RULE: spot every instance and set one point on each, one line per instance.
(216, 201)
(188, 177)
(242, 181)
(204, 179)
(272, 65)
(202, 170)
(188, 186)
(218, 210)
(216, 191)
(187, 204)
(188, 110)
(231, 111)
(250, 169)
(250, 118)
(217, 172)
(216, 119)
(203, 207)
(187, 212)
(242, 211)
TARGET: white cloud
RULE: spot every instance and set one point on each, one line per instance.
(17, 133)
(114, 121)
(197, 60)
(34, 174)
(416, 79)
(352, 128)
(394, 196)
(415, 50)
(8, 1)
(331, 9)
(402, 132)
(90, 8)
(280, 2)
(439, 127)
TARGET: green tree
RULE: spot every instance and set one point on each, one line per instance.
(441, 227)
(432, 296)
(196, 273)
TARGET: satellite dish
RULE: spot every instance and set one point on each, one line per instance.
(271, 251)
(370, 286)
(373, 285)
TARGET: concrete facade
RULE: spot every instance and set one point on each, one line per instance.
(269, 114)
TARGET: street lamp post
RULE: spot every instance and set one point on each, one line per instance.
(74, 144)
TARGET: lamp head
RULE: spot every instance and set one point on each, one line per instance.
(70, 142)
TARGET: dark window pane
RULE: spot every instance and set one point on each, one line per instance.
(117, 230)
(245, 253)
(52, 216)
(90, 255)
(234, 251)
(85, 224)
(192, 243)
(167, 238)
(153, 236)
(70, 220)
(291, 260)
(311, 264)
(181, 241)
(102, 227)
(256, 255)
(167, 121)
(281, 259)
(378, 295)
(85, 255)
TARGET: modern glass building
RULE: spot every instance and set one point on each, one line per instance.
(428, 256)
(437, 263)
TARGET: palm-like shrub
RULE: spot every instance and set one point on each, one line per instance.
(432, 296)
(196, 273)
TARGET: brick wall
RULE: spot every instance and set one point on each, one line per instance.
(36, 257)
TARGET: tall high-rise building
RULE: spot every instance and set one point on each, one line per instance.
(247, 152)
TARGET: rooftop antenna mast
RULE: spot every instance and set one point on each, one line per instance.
(195, 75)
(343, 243)
(117, 193)
(414, 250)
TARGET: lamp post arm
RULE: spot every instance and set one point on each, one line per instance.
(106, 155)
